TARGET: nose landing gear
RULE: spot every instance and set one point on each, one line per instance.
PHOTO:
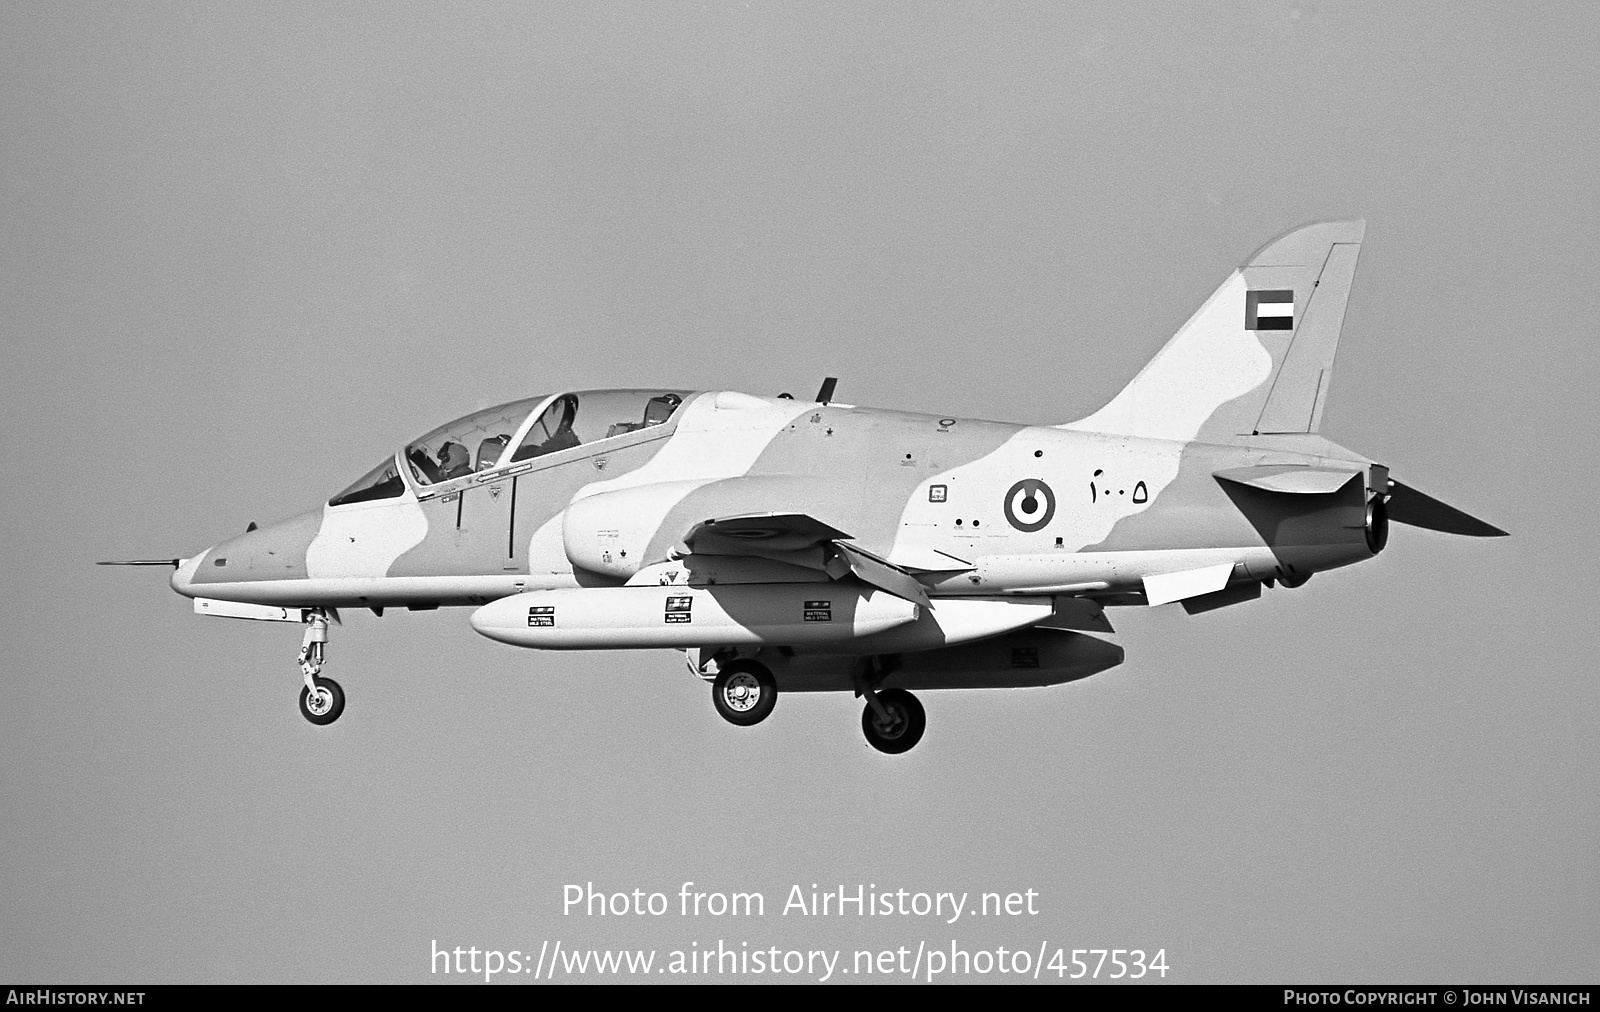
(322, 700)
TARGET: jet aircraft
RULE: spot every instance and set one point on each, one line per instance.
(802, 546)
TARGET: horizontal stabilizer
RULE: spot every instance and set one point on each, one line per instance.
(1169, 587)
(1408, 506)
(1292, 478)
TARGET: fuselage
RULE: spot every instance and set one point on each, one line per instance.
(973, 507)
(809, 546)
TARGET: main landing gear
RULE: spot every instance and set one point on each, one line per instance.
(744, 692)
(322, 700)
(893, 720)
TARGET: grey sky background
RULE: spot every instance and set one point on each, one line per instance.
(244, 254)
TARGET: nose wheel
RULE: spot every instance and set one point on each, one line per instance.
(744, 693)
(893, 721)
(323, 705)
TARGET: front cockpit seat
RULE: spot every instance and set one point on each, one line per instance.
(489, 452)
(424, 465)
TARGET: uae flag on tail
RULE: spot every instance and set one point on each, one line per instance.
(1271, 310)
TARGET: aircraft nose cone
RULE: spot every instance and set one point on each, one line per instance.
(183, 577)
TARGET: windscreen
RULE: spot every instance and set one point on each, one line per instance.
(382, 482)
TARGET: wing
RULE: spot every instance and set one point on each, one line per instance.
(800, 539)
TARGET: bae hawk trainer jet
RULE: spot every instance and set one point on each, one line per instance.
(806, 546)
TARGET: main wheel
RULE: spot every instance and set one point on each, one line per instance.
(1377, 525)
(907, 721)
(326, 705)
(744, 693)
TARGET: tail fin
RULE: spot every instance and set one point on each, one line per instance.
(1257, 357)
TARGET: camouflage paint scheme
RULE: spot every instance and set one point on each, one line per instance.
(1202, 481)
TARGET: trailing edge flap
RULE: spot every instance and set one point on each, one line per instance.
(782, 536)
(1169, 587)
(881, 574)
(1295, 479)
(927, 560)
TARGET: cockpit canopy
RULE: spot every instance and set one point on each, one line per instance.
(520, 430)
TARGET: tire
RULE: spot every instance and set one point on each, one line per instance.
(744, 693)
(904, 731)
(1377, 525)
(327, 711)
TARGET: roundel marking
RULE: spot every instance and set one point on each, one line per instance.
(1030, 505)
